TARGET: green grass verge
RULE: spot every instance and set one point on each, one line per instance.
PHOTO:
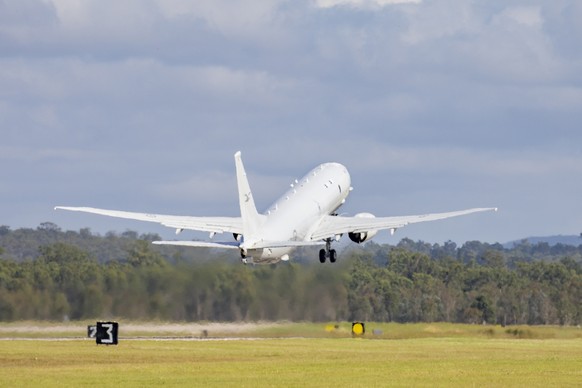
(289, 330)
(418, 330)
(319, 362)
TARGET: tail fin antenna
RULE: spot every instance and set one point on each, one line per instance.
(248, 210)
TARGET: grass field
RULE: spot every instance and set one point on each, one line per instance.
(415, 355)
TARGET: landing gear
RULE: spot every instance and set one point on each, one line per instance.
(322, 255)
(327, 252)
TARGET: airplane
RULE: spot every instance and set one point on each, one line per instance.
(305, 215)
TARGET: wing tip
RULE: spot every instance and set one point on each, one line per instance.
(71, 208)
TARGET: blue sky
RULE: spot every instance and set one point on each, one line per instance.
(432, 106)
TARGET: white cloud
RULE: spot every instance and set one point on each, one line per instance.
(104, 17)
(529, 16)
(203, 186)
(129, 18)
(460, 161)
(362, 3)
(441, 19)
(225, 15)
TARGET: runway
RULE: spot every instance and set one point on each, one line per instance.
(155, 331)
(184, 339)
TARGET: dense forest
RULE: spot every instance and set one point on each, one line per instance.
(50, 274)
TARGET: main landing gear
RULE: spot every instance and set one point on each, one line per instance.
(327, 252)
(243, 256)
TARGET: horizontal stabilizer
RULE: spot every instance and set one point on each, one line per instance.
(200, 244)
(236, 245)
(286, 244)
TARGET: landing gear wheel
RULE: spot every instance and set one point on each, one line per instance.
(322, 255)
(327, 252)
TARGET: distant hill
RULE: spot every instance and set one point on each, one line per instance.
(551, 240)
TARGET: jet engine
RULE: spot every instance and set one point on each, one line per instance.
(360, 237)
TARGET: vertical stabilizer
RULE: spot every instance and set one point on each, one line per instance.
(248, 210)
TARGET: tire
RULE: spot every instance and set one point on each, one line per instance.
(322, 254)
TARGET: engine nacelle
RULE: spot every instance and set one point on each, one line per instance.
(360, 237)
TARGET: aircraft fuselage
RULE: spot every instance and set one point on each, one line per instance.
(297, 212)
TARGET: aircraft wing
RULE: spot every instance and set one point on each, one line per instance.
(204, 224)
(331, 226)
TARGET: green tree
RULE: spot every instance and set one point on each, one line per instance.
(483, 304)
(361, 290)
(142, 254)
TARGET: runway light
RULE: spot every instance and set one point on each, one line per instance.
(358, 328)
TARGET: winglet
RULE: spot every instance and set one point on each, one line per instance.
(248, 210)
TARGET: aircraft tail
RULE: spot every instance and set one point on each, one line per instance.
(248, 211)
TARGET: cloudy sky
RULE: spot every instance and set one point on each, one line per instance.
(432, 105)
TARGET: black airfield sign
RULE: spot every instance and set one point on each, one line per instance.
(107, 333)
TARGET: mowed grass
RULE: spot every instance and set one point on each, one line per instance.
(321, 362)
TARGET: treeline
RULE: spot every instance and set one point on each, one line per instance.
(26, 243)
(65, 283)
(411, 282)
(412, 287)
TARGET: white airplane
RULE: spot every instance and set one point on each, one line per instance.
(304, 216)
